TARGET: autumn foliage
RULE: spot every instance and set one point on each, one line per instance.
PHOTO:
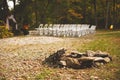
(4, 33)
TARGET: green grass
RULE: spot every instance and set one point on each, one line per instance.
(47, 74)
(108, 41)
(44, 74)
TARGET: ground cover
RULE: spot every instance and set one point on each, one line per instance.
(21, 57)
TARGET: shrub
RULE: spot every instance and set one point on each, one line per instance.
(4, 33)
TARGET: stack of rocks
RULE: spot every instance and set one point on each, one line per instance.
(76, 59)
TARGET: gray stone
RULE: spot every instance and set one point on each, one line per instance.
(75, 59)
(107, 59)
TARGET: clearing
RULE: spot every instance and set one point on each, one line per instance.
(21, 57)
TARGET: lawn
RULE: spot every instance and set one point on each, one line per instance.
(24, 62)
(108, 41)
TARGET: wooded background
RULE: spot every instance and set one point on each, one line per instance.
(102, 13)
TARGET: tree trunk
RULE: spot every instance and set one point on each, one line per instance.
(95, 11)
(5, 10)
(114, 13)
(84, 12)
(107, 14)
(36, 13)
(14, 2)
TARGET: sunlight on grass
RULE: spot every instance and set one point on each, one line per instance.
(100, 44)
(108, 42)
(104, 42)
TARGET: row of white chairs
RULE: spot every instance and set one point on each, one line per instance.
(65, 30)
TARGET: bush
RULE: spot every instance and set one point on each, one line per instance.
(4, 33)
